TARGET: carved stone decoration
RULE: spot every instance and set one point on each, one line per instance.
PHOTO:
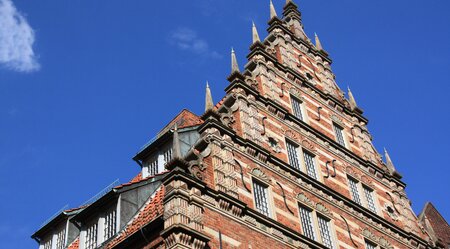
(183, 214)
(367, 181)
(225, 173)
(260, 175)
(369, 235)
(251, 122)
(309, 145)
(390, 210)
(337, 120)
(296, 93)
(384, 243)
(322, 209)
(349, 170)
(291, 135)
(305, 200)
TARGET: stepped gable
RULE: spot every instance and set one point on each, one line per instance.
(148, 213)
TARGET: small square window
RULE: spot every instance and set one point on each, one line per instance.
(307, 223)
(297, 108)
(310, 164)
(354, 190)
(292, 150)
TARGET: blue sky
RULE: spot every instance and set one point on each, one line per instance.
(84, 84)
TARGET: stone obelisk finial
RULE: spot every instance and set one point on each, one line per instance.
(234, 64)
(255, 34)
(209, 105)
(273, 12)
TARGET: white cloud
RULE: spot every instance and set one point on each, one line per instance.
(16, 40)
(187, 39)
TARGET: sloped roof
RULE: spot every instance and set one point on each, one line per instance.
(184, 119)
(151, 210)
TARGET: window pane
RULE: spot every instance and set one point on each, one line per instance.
(370, 245)
(297, 108)
(167, 155)
(310, 165)
(91, 237)
(370, 201)
(48, 244)
(110, 223)
(293, 155)
(152, 166)
(261, 202)
(61, 239)
(339, 135)
(354, 190)
(325, 234)
(306, 220)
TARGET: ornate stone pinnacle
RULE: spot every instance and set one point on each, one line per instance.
(209, 105)
(176, 143)
(255, 33)
(351, 99)
(389, 163)
(234, 64)
(273, 12)
(318, 43)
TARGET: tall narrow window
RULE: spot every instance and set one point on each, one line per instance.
(61, 239)
(368, 193)
(339, 134)
(152, 167)
(292, 150)
(354, 190)
(297, 108)
(110, 223)
(309, 164)
(261, 198)
(370, 245)
(48, 244)
(167, 155)
(325, 231)
(306, 221)
(91, 237)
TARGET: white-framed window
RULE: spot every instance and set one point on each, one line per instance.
(297, 108)
(152, 166)
(354, 190)
(368, 193)
(292, 150)
(339, 132)
(48, 244)
(261, 196)
(167, 155)
(91, 236)
(61, 239)
(310, 165)
(306, 219)
(110, 223)
(325, 231)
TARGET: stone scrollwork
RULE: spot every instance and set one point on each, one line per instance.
(305, 200)
(257, 173)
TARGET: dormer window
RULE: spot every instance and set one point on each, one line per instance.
(110, 223)
(61, 239)
(48, 244)
(91, 236)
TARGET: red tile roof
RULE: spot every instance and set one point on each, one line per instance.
(152, 209)
(75, 244)
(184, 119)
